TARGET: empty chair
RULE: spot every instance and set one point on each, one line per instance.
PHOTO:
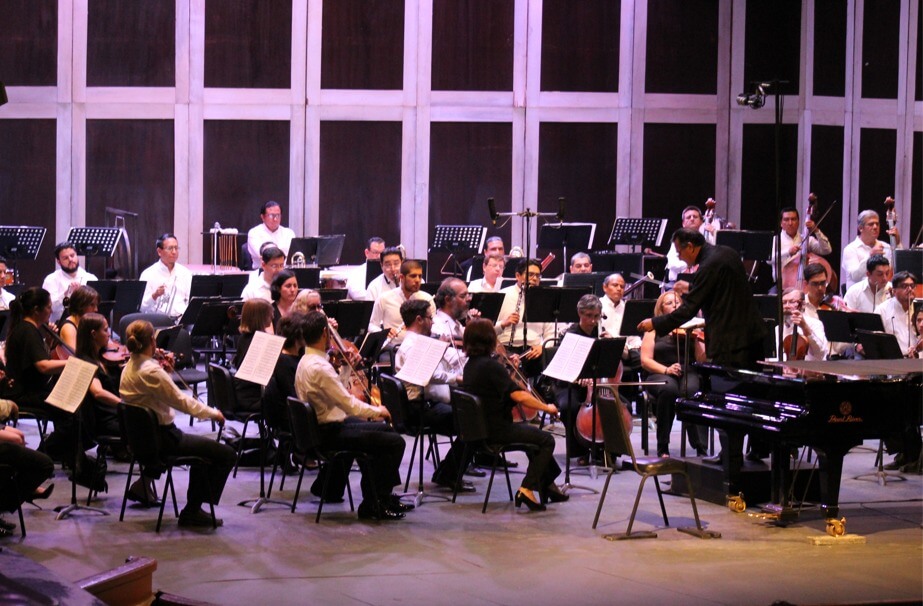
(224, 398)
(617, 443)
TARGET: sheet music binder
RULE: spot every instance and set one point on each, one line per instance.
(637, 231)
(94, 241)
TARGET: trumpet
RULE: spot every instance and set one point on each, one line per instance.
(164, 303)
(298, 260)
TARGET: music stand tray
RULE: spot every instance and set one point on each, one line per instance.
(752, 245)
(633, 231)
(21, 242)
(94, 241)
(635, 311)
(352, 317)
(488, 303)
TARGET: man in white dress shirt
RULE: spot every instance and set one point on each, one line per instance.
(270, 230)
(509, 325)
(864, 246)
(68, 277)
(810, 329)
(6, 297)
(168, 282)
(386, 313)
(272, 262)
(355, 282)
(896, 312)
(614, 311)
(872, 290)
(493, 266)
(692, 219)
(818, 243)
(391, 260)
(451, 301)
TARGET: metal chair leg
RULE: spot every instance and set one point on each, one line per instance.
(602, 497)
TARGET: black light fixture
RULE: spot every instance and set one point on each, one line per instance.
(756, 99)
(3, 97)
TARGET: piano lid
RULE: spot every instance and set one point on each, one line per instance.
(854, 370)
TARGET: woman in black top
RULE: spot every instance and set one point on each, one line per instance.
(84, 300)
(255, 316)
(28, 360)
(487, 378)
(662, 357)
(283, 290)
(103, 395)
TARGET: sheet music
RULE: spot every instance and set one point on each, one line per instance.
(261, 358)
(72, 385)
(694, 323)
(423, 356)
(570, 358)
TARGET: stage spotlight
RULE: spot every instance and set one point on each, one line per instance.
(754, 100)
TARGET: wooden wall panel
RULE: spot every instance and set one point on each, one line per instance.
(679, 170)
(472, 45)
(827, 184)
(130, 43)
(130, 166)
(682, 47)
(829, 41)
(758, 190)
(913, 234)
(363, 44)
(880, 50)
(469, 162)
(877, 158)
(248, 44)
(577, 161)
(246, 164)
(29, 42)
(580, 45)
(772, 48)
(360, 183)
(27, 187)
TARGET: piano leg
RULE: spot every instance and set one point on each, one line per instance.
(781, 472)
(732, 447)
(830, 467)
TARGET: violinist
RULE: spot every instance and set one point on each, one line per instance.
(663, 358)
(811, 342)
(6, 297)
(452, 310)
(818, 243)
(917, 350)
(431, 403)
(146, 383)
(816, 298)
(283, 290)
(342, 418)
(488, 379)
(873, 289)
(571, 396)
(896, 313)
(84, 300)
(255, 316)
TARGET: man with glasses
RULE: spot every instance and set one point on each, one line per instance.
(168, 282)
(865, 246)
(391, 259)
(493, 266)
(270, 230)
(451, 300)
(897, 312)
(272, 262)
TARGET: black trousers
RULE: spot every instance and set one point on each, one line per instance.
(32, 468)
(380, 473)
(221, 459)
(665, 410)
(543, 469)
(438, 416)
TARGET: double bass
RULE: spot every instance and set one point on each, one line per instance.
(793, 270)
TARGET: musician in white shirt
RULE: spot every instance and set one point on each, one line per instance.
(270, 230)
(692, 219)
(168, 282)
(874, 289)
(391, 259)
(818, 243)
(386, 313)
(613, 312)
(66, 279)
(272, 262)
(509, 327)
(355, 282)
(896, 312)
(864, 246)
(493, 266)
(6, 297)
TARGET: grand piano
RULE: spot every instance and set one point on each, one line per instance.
(828, 406)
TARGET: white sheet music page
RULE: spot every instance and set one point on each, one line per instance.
(568, 361)
(261, 358)
(423, 356)
(72, 385)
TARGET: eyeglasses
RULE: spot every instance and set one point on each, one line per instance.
(276, 265)
(906, 285)
(171, 248)
(274, 215)
(818, 284)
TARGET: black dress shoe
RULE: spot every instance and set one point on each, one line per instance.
(197, 518)
(465, 485)
(532, 505)
(394, 503)
(714, 460)
(475, 472)
(372, 511)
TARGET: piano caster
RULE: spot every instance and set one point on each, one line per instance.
(836, 528)
(737, 504)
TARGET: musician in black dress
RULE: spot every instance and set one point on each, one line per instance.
(663, 357)
(256, 315)
(103, 396)
(486, 378)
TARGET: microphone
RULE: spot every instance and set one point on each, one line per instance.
(492, 209)
(560, 216)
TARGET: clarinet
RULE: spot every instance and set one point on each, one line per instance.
(515, 311)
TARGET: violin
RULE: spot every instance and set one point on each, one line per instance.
(344, 355)
(520, 413)
(834, 303)
(59, 349)
(115, 354)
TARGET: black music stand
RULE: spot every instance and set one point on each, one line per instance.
(430, 288)
(458, 241)
(218, 285)
(561, 236)
(372, 344)
(632, 231)
(767, 305)
(553, 305)
(20, 242)
(352, 317)
(841, 326)
(635, 311)
(318, 250)
(193, 308)
(372, 271)
(879, 345)
(752, 245)
(909, 260)
(602, 361)
(216, 320)
(488, 303)
(308, 277)
(94, 241)
(593, 281)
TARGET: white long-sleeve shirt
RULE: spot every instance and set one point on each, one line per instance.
(855, 254)
(316, 382)
(144, 383)
(57, 283)
(897, 322)
(259, 235)
(536, 332)
(158, 275)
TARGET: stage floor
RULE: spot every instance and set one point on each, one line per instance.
(452, 554)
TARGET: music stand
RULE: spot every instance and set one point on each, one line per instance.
(593, 281)
(564, 235)
(318, 250)
(372, 344)
(193, 308)
(752, 245)
(20, 242)
(553, 304)
(909, 260)
(214, 320)
(457, 240)
(488, 303)
(767, 305)
(879, 345)
(841, 326)
(632, 231)
(218, 285)
(331, 295)
(635, 311)
(352, 317)
(372, 271)
(308, 277)
(430, 288)
(602, 361)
